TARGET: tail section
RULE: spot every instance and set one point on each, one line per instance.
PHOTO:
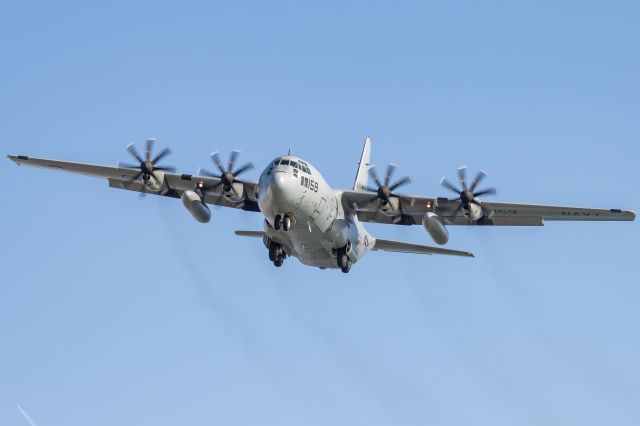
(362, 178)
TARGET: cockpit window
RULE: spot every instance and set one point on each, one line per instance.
(294, 165)
(275, 163)
(284, 163)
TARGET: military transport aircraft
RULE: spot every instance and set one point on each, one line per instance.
(322, 226)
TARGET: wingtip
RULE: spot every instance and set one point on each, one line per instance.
(14, 158)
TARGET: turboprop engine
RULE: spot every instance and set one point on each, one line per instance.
(436, 229)
(194, 204)
(232, 188)
(148, 169)
(468, 195)
(387, 200)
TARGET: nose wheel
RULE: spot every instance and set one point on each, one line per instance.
(283, 222)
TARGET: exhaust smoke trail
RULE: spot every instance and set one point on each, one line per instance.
(26, 416)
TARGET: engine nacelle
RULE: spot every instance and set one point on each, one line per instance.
(436, 229)
(154, 185)
(236, 193)
(389, 208)
(199, 210)
(475, 211)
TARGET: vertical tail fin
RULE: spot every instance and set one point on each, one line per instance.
(362, 178)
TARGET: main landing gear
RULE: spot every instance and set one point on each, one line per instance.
(276, 254)
(343, 261)
(283, 222)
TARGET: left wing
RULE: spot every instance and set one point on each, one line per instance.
(173, 186)
(409, 210)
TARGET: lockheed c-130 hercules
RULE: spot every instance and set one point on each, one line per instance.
(308, 219)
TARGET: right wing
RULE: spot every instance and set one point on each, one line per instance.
(175, 184)
(399, 247)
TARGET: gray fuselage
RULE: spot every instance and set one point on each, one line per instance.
(320, 224)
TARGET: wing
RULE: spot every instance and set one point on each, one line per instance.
(174, 184)
(399, 247)
(411, 209)
(525, 214)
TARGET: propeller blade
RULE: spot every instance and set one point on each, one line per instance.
(243, 169)
(232, 159)
(160, 156)
(481, 175)
(488, 191)
(166, 169)
(391, 168)
(462, 175)
(372, 189)
(128, 166)
(405, 180)
(444, 182)
(132, 150)
(147, 153)
(216, 159)
(136, 177)
(205, 172)
(374, 176)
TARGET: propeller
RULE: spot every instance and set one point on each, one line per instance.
(385, 189)
(147, 165)
(467, 195)
(227, 175)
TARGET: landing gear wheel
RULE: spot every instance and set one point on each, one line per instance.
(277, 222)
(347, 267)
(279, 258)
(286, 223)
(342, 258)
(274, 248)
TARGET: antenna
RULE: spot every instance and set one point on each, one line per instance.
(289, 152)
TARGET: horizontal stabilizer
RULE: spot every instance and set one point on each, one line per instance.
(399, 247)
(250, 234)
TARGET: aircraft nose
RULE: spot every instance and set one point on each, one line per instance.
(278, 187)
(277, 194)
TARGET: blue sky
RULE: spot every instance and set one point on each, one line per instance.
(115, 310)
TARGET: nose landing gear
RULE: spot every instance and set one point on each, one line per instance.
(283, 222)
